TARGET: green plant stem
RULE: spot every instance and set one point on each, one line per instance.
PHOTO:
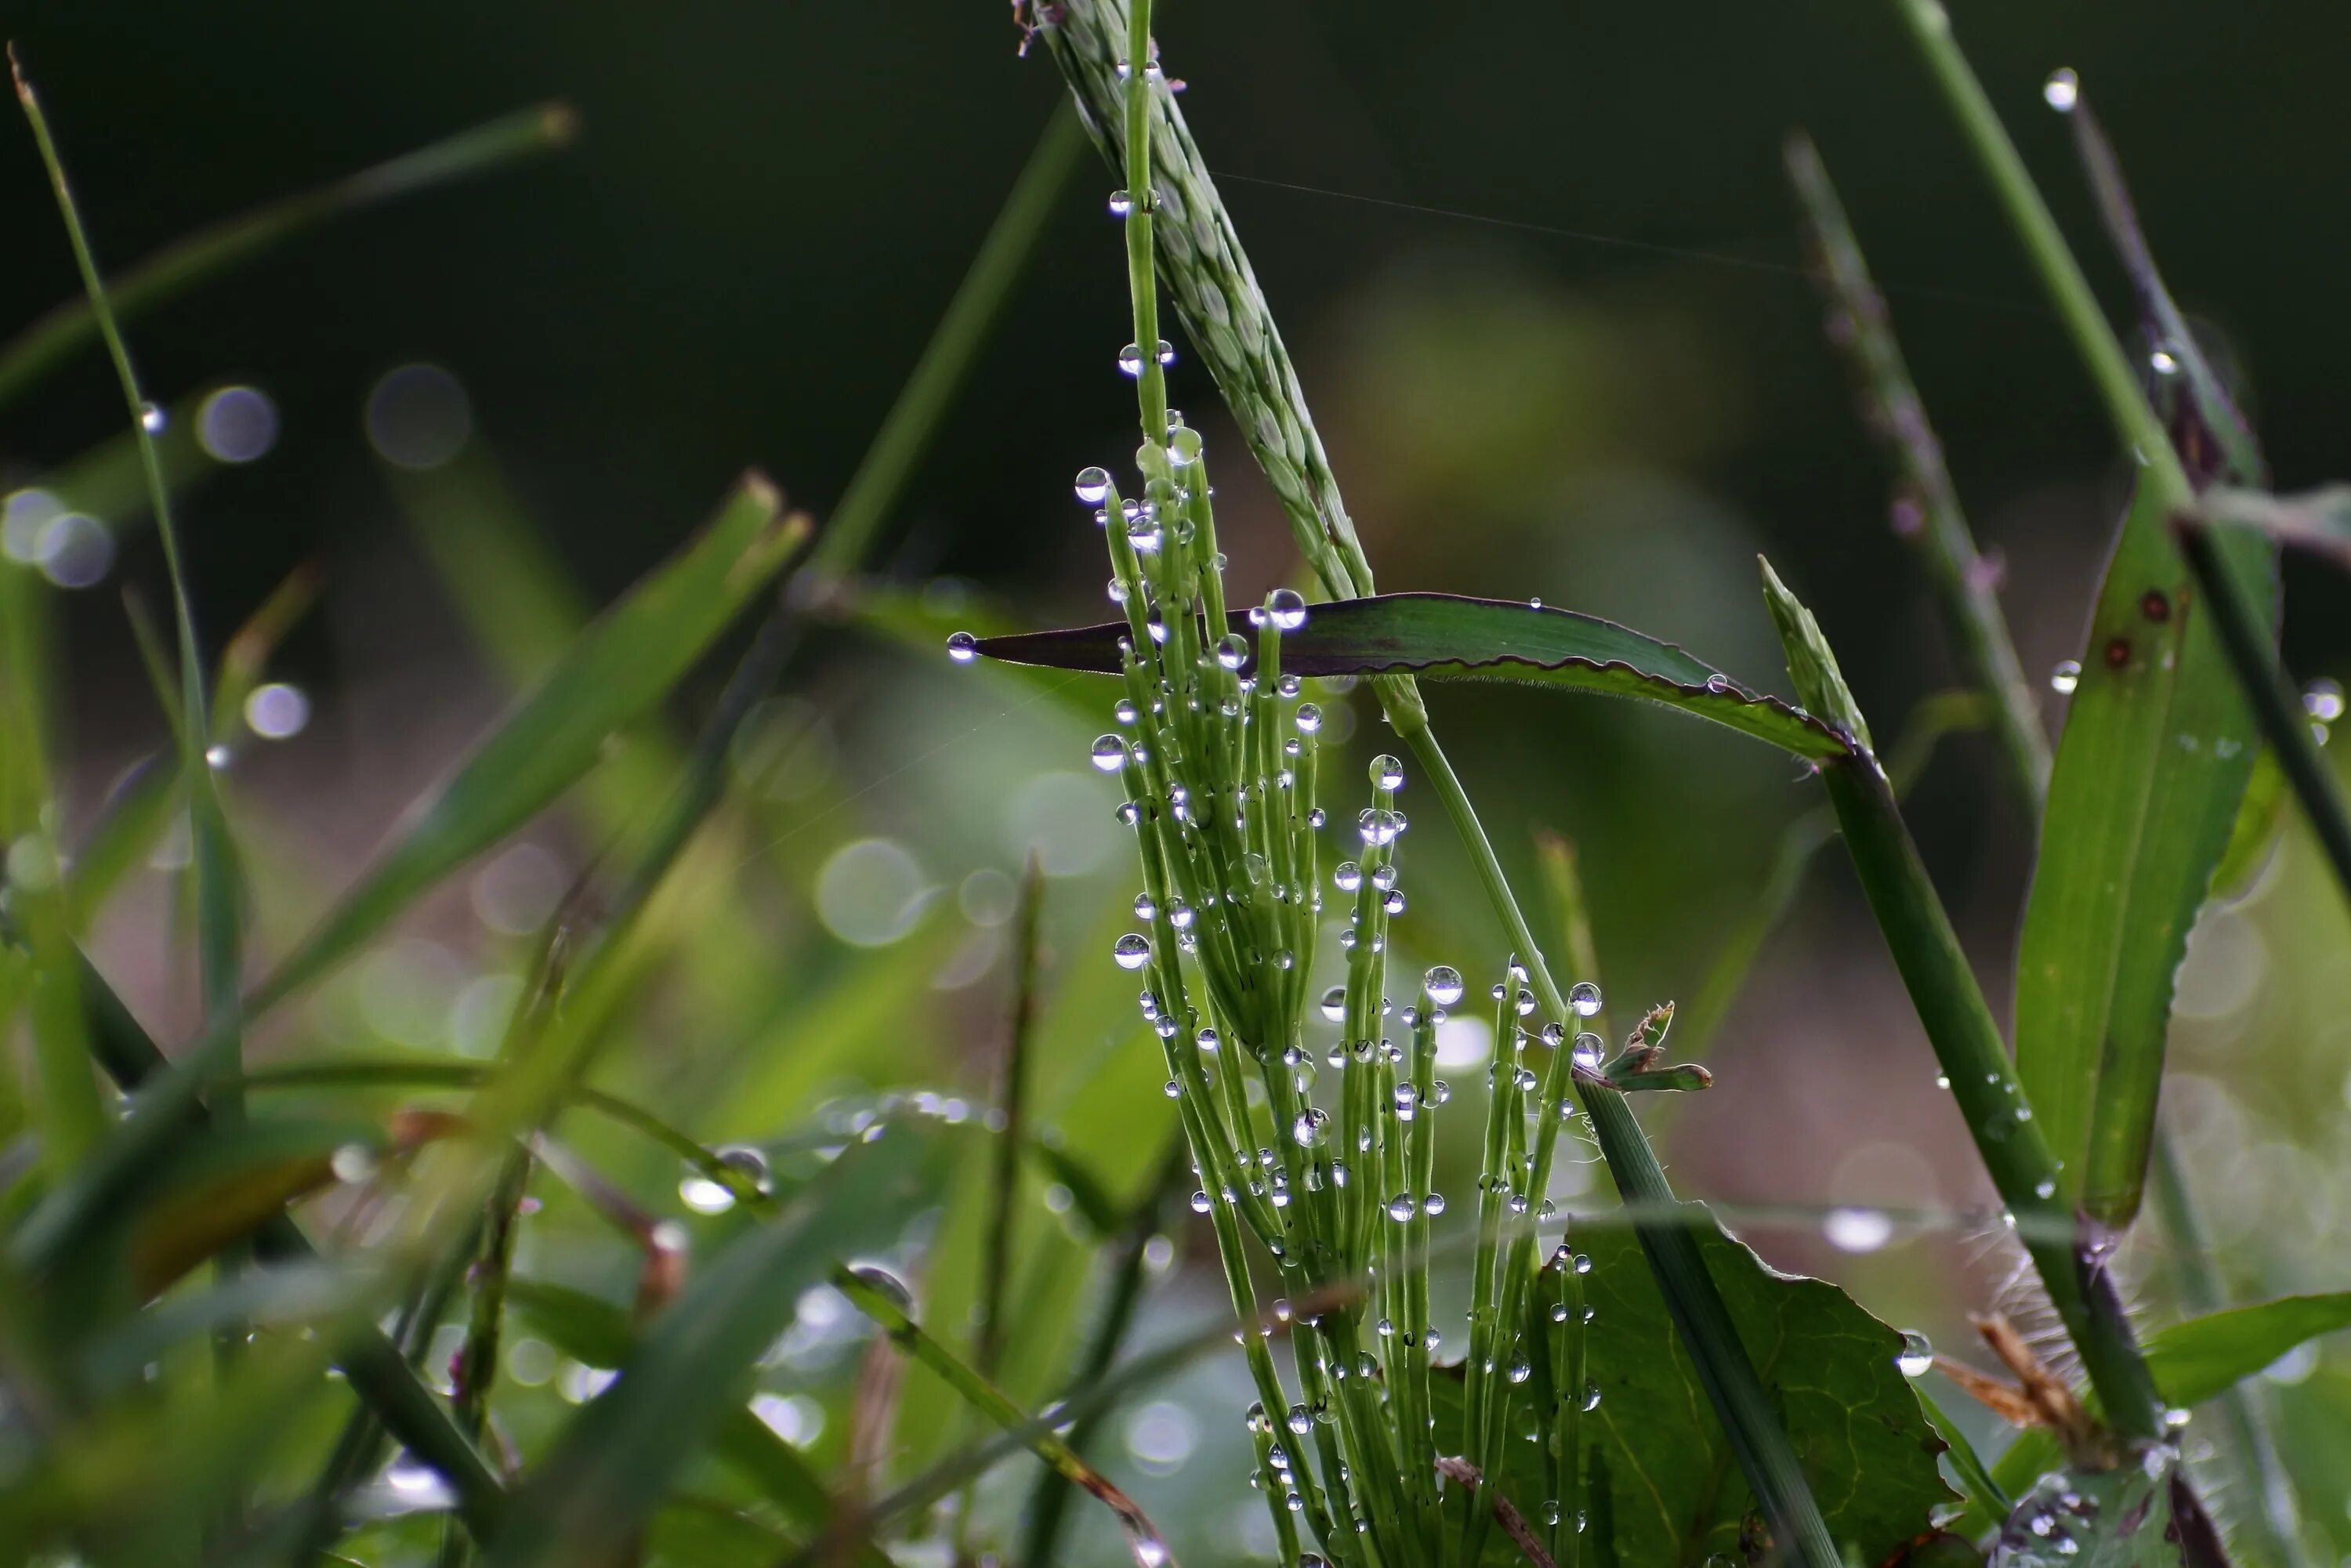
(1974, 1058)
(2136, 425)
(888, 465)
(36, 351)
(1962, 579)
(1216, 294)
(2277, 706)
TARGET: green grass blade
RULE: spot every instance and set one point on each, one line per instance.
(1444, 634)
(36, 351)
(2195, 1360)
(1958, 1024)
(597, 1333)
(622, 1454)
(1962, 578)
(620, 668)
(883, 1306)
(220, 961)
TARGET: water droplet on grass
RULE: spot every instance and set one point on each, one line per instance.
(2065, 677)
(1916, 1355)
(963, 647)
(1131, 951)
(2062, 90)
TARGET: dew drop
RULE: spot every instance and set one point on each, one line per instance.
(1347, 876)
(1310, 718)
(1232, 651)
(1387, 773)
(1401, 1208)
(2065, 677)
(1092, 486)
(1857, 1230)
(1199, 1203)
(963, 647)
(1914, 1356)
(153, 419)
(1335, 1004)
(1120, 204)
(1583, 999)
(1443, 984)
(1110, 756)
(2062, 90)
(1131, 951)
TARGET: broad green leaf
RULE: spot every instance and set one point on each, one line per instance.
(1662, 1486)
(618, 668)
(1443, 634)
(2193, 1360)
(2141, 1515)
(622, 1454)
(2157, 749)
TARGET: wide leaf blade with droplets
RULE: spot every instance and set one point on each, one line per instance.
(1445, 635)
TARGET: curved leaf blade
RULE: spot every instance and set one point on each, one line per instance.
(1446, 635)
(2193, 1360)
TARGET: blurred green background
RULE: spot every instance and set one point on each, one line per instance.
(1539, 267)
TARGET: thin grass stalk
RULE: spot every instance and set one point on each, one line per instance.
(1226, 315)
(219, 961)
(2271, 693)
(475, 1371)
(1934, 522)
(1047, 1504)
(2135, 426)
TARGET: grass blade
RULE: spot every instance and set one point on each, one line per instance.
(36, 351)
(1962, 579)
(219, 937)
(2195, 1360)
(617, 1461)
(595, 1332)
(882, 1303)
(620, 668)
(1444, 634)
(1967, 1043)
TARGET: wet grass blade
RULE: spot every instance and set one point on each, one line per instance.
(1934, 523)
(1444, 634)
(620, 668)
(219, 921)
(1966, 1041)
(622, 1454)
(36, 351)
(883, 1304)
